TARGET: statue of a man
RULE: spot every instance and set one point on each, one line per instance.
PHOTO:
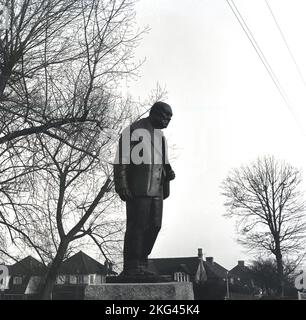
(142, 174)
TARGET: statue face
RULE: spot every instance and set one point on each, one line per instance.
(161, 118)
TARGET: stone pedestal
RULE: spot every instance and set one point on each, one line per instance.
(140, 291)
(139, 279)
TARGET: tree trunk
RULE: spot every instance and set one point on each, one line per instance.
(53, 271)
(4, 77)
(280, 270)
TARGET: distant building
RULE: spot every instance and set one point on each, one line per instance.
(208, 277)
(25, 276)
(241, 281)
(82, 269)
(185, 268)
(241, 274)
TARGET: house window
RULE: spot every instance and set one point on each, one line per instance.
(181, 277)
(85, 279)
(73, 279)
(92, 279)
(17, 280)
(95, 279)
(98, 279)
(61, 279)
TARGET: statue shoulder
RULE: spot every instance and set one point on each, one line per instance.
(134, 125)
(143, 123)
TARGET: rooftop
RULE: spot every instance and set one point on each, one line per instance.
(166, 266)
(81, 263)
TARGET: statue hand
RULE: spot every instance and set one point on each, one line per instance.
(125, 194)
(171, 175)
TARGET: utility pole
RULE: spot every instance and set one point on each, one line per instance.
(227, 287)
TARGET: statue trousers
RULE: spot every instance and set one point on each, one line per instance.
(144, 219)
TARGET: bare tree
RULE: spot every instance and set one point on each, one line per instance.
(62, 64)
(266, 200)
(68, 197)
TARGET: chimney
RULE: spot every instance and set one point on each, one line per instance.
(210, 260)
(200, 253)
(240, 263)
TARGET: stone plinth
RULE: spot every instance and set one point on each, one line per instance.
(140, 291)
(139, 279)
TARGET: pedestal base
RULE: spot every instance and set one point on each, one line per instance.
(139, 279)
(140, 291)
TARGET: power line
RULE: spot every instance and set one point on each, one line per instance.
(259, 52)
(261, 55)
(286, 43)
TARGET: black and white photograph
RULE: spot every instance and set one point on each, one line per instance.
(152, 151)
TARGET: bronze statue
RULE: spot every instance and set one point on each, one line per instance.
(142, 180)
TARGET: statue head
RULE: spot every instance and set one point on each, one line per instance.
(160, 115)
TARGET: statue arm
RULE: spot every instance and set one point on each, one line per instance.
(121, 176)
(170, 175)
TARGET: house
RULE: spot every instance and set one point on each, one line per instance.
(185, 268)
(208, 277)
(241, 275)
(82, 269)
(241, 282)
(76, 273)
(25, 276)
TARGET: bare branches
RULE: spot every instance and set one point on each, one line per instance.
(62, 64)
(266, 193)
(266, 200)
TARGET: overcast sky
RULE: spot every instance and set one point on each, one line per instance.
(227, 111)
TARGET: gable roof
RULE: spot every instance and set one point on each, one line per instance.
(28, 266)
(168, 266)
(217, 271)
(240, 271)
(81, 263)
(243, 274)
